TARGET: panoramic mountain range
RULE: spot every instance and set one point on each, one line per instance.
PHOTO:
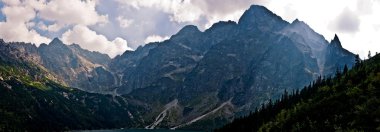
(196, 79)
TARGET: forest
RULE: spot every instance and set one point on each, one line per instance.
(349, 101)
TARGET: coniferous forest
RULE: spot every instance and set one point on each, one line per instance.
(347, 102)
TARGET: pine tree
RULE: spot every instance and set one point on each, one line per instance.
(369, 54)
(345, 69)
(357, 60)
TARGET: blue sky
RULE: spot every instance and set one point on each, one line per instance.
(113, 26)
(2, 17)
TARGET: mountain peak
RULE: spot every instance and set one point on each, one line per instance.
(56, 41)
(336, 38)
(254, 12)
(258, 8)
(295, 21)
(301, 25)
(259, 17)
(222, 23)
(189, 29)
(186, 31)
(336, 42)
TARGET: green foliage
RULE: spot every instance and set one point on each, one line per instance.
(29, 101)
(348, 102)
(39, 85)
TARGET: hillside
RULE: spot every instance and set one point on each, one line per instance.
(196, 79)
(348, 102)
(31, 100)
(226, 70)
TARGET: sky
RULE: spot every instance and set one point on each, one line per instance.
(114, 26)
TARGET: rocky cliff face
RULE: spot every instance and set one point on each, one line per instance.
(211, 76)
(70, 64)
(77, 67)
(245, 63)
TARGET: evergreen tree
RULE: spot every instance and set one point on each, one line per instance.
(357, 60)
(348, 102)
(345, 69)
(369, 54)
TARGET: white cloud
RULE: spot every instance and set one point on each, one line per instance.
(224, 8)
(92, 41)
(319, 15)
(193, 10)
(23, 16)
(364, 7)
(11, 2)
(348, 21)
(17, 26)
(181, 10)
(18, 13)
(123, 22)
(51, 28)
(71, 12)
(155, 38)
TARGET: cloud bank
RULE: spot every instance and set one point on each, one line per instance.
(26, 21)
(92, 41)
(111, 26)
(155, 38)
(17, 25)
(348, 21)
(355, 21)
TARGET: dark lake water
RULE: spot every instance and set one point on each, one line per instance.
(137, 130)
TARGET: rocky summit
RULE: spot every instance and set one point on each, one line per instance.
(199, 79)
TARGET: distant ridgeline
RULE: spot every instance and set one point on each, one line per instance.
(194, 80)
(348, 102)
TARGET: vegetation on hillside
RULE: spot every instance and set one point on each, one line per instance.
(348, 102)
(31, 101)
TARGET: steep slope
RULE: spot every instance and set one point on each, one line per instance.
(72, 65)
(348, 102)
(336, 56)
(248, 62)
(226, 70)
(315, 45)
(77, 67)
(29, 99)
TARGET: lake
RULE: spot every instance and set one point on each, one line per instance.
(138, 130)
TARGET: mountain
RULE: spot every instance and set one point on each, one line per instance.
(32, 100)
(348, 102)
(229, 69)
(197, 79)
(72, 65)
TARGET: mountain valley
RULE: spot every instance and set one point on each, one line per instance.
(197, 80)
